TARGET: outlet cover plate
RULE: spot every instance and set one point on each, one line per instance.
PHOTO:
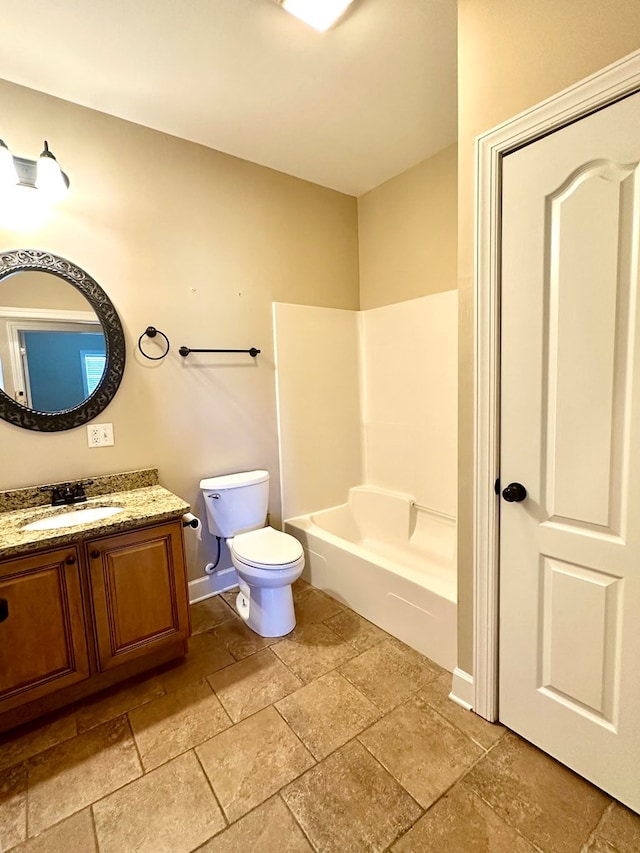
(100, 435)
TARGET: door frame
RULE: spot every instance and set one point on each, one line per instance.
(612, 83)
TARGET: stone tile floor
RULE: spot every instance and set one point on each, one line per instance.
(335, 738)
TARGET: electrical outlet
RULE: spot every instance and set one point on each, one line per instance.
(100, 435)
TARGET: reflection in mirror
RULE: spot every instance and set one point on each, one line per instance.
(62, 346)
(52, 346)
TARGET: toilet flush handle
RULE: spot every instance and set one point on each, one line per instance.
(215, 497)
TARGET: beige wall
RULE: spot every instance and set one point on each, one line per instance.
(198, 244)
(512, 55)
(407, 233)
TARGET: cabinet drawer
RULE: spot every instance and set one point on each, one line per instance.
(43, 643)
(138, 584)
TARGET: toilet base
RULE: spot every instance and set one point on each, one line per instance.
(267, 611)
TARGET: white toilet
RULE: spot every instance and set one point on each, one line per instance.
(267, 560)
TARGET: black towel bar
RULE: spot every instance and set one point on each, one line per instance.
(184, 351)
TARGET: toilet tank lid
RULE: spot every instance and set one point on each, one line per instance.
(235, 481)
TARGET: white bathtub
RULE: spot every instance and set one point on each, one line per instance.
(391, 562)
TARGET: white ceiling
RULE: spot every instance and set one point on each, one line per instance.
(348, 109)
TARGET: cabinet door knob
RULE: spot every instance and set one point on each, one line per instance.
(70, 560)
(4, 609)
(95, 554)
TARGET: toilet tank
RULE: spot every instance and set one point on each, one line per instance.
(236, 503)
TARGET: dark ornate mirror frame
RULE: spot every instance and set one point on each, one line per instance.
(23, 260)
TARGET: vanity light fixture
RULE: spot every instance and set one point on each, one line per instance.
(43, 174)
(50, 178)
(319, 14)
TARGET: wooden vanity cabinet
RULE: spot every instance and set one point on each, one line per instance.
(138, 588)
(77, 619)
(43, 645)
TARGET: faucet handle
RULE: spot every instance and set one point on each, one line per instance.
(77, 494)
(58, 493)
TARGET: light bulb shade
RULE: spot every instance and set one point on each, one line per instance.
(319, 14)
(8, 172)
(50, 179)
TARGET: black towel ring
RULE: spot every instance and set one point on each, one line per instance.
(151, 332)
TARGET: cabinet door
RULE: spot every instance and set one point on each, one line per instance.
(43, 645)
(139, 592)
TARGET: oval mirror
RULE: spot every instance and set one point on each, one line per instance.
(62, 350)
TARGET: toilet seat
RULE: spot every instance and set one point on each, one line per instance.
(267, 549)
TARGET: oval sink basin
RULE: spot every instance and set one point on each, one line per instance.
(72, 518)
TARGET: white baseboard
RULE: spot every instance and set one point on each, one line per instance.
(462, 689)
(208, 585)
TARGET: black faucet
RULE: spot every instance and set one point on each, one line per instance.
(68, 493)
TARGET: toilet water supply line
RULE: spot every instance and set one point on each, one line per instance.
(210, 568)
(190, 520)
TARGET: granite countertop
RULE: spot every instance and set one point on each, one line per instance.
(142, 499)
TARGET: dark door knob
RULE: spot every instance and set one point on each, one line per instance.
(70, 560)
(514, 493)
(4, 609)
(95, 554)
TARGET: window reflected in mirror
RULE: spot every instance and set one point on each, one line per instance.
(52, 345)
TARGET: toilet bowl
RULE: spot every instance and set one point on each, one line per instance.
(267, 561)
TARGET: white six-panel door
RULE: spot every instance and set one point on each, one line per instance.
(569, 669)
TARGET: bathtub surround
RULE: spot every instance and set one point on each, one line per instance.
(318, 369)
(391, 422)
(409, 375)
(389, 551)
